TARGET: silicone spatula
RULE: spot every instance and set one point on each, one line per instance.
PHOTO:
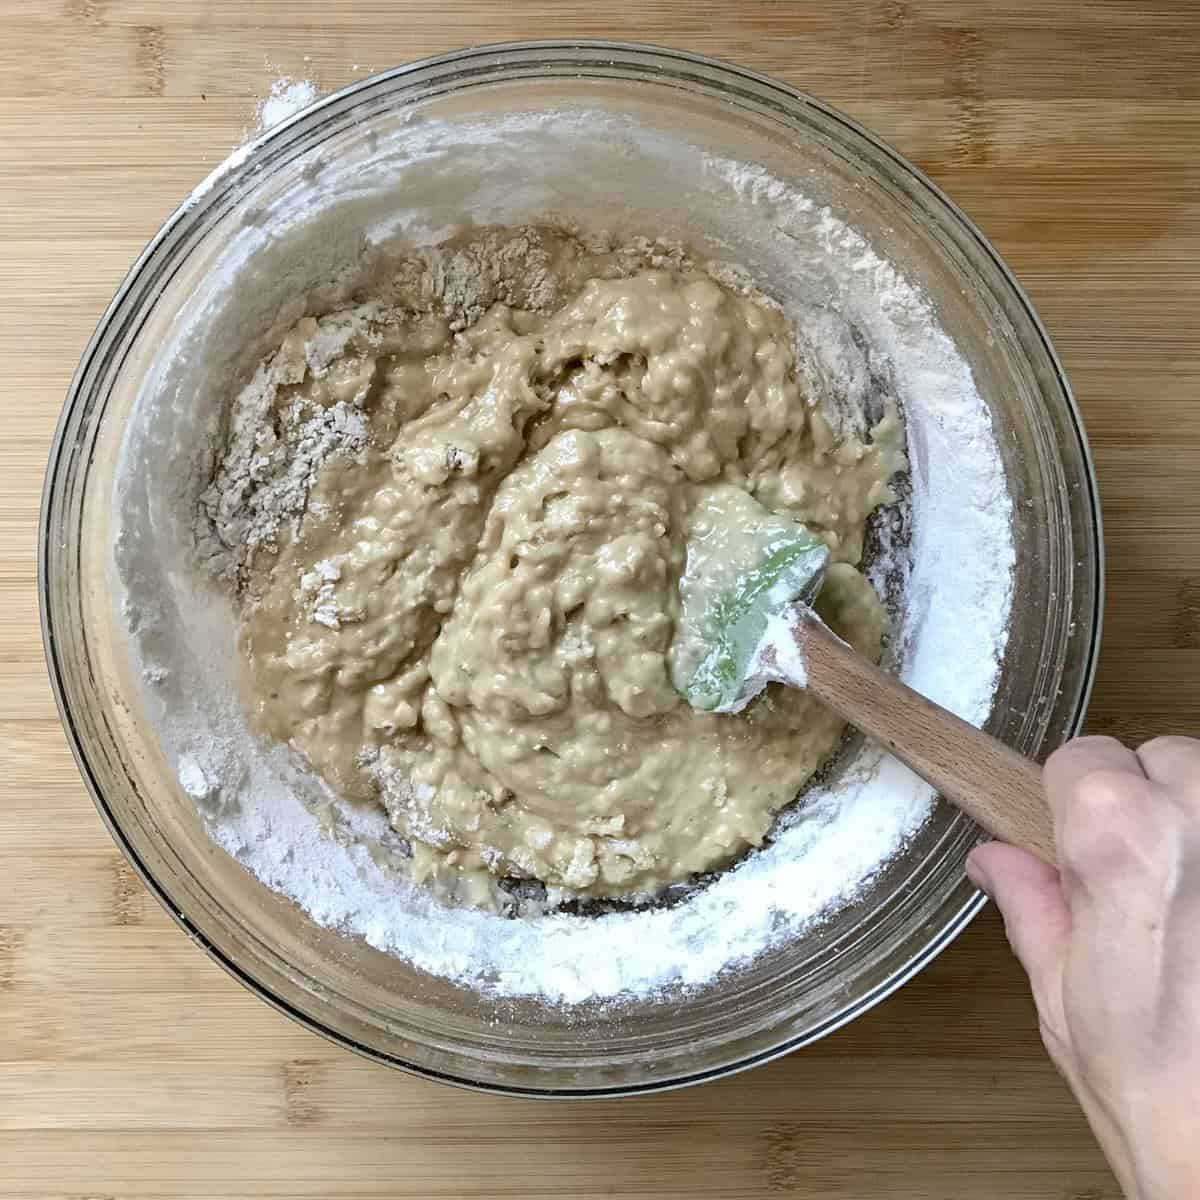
(748, 617)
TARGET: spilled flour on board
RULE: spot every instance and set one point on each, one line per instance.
(286, 98)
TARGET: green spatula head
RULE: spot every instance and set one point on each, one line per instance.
(745, 567)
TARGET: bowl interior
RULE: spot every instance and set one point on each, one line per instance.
(599, 113)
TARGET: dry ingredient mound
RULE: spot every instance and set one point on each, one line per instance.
(455, 515)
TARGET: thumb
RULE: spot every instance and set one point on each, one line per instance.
(1036, 917)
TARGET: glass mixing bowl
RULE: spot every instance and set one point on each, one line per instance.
(373, 1003)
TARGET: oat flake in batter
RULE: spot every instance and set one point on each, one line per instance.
(458, 514)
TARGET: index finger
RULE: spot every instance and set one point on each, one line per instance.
(1073, 762)
(1098, 795)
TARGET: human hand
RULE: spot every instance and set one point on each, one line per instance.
(1111, 944)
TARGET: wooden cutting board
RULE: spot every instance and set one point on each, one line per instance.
(130, 1065)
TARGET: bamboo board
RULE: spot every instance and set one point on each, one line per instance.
(130, 1065)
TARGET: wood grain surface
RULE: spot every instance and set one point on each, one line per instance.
(130, 1065)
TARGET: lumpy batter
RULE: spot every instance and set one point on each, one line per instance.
(469, 617)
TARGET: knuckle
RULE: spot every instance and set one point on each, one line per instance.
(1106, 795)
(1171, 741)
(1091, 741)
(1170, 747)
(1082, 748)
(1101, 827)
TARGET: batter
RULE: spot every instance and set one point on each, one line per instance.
(489, 487)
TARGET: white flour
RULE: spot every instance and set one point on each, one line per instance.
(287, 97)
(420, 186)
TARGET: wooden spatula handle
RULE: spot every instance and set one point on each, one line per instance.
(991, 783)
